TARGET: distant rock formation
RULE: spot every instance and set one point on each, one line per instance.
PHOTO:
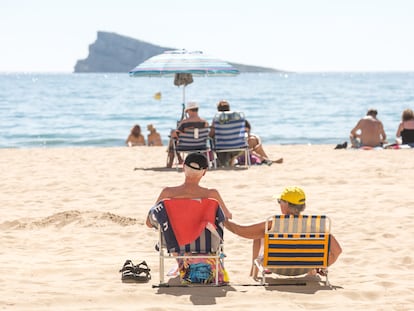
(115, 53)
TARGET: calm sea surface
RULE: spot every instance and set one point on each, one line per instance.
(61, 110)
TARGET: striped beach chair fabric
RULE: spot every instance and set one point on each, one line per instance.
(230, 134)
(195, 140)
(295, 244)
(189, 228)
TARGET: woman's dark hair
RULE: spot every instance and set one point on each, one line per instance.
(247, 124)
(223, 105)
(136, 130)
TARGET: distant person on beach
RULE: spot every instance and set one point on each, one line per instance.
(405, 130)
(369, 131)
(292, 201)
(153, 138)
(195, 167)
(257, 153)
(135, 137)
(222, 105)
(192, 120)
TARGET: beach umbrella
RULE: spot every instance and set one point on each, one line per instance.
(183, 65)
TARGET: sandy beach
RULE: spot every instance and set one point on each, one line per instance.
(70, 217)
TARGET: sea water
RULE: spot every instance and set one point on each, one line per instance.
(98, 110)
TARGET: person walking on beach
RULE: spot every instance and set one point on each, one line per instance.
(292, 201)
(368, 132)
(153, 138)
(135, 137)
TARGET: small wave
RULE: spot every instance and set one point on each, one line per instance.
(73, 217)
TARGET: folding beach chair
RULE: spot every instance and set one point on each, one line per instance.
(194, 140)
(294, 245)
(230, 134)
(189, 228)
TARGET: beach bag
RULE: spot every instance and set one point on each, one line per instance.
(202, 271)
(253, 160)
(183, 79)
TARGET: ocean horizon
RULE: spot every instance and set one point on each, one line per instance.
(99, 109)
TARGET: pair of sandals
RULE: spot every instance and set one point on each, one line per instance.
(342, 146)
(131, 273)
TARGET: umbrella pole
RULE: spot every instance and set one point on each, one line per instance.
(183, 114)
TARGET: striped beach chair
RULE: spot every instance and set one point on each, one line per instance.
(230, 134)
(195, 140)
(189, 228)
(294, 245)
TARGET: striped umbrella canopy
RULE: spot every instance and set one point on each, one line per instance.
(183, 65)
(181, 61)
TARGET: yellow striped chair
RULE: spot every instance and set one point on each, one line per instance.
(294, 245)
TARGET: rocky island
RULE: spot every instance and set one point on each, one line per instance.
(115, 53)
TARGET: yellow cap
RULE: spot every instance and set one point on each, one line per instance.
(294, 195)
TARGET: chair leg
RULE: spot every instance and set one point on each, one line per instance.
(217, 270)
(326, 280)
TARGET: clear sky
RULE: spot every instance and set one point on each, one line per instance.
(293, 35)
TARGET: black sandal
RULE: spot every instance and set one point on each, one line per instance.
(135, 273)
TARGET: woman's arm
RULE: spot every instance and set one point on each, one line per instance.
(253, 231)
(399, 130)
(334, 250)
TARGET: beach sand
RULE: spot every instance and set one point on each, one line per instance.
(70, 218)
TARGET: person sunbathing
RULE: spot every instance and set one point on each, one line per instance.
(153, 138)
(257, 153)
(292, 201)
(135, 137)
(368, 132)
(195, 167)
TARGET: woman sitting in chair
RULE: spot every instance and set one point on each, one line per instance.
(292, 201)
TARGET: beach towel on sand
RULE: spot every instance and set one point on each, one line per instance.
(182, 220)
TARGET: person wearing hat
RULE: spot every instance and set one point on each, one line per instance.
(192, 120)
(195, 167)
(292, 201)
(368, 132)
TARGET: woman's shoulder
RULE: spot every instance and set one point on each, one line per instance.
(409, 124)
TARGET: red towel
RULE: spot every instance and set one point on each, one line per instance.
(189, 217)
